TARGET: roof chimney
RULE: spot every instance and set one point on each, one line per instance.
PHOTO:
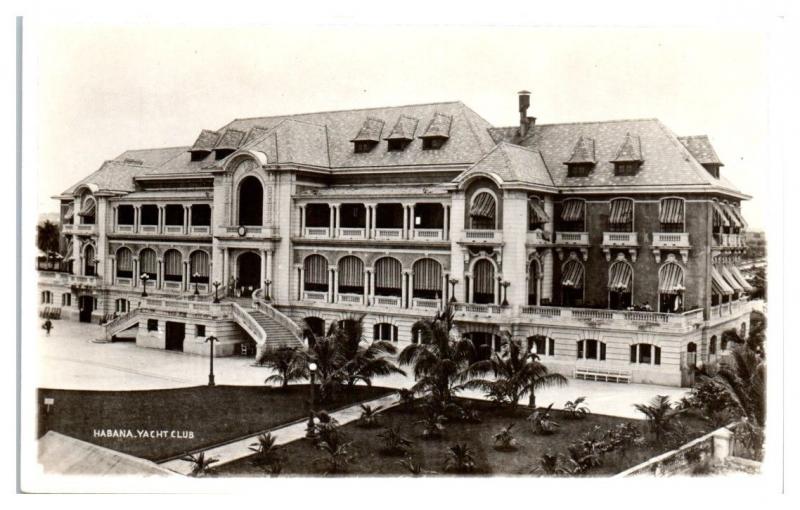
(525, 122)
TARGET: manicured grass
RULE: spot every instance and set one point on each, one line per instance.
(213, 415)
(431, 453)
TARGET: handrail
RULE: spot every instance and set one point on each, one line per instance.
(120, 319)
(267, 309)
(249, 324)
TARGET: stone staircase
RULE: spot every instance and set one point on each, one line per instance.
(277, 334)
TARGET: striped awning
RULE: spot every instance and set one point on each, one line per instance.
(670, 279)
(740, 278)
(572, 210)
(483, 277)
(738, 213)
(315, 270)
(573, 275)
(619, 277)
(720, 218)
(723, 270)
(538, 215)
(351, 271)
(388, 273)
(621, 212)
(671, 211)
(427, 275)
(88, 208)
(69, 214)
(718, 283)
(483, 206)
(68, 251)
(732, 216)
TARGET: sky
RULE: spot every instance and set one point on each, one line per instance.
(106, 89)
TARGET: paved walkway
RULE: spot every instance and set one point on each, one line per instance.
(70, 360)
(241, 448)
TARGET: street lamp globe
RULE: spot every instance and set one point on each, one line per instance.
(312, 366)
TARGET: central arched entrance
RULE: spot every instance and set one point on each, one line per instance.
(251, 202)
(248, 274)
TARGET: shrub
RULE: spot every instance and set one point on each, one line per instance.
(459, 459)
(504, 440)
(542, 422)
(432, 425)
(337, 456)
(201, 466)
(393, 442)
(577, 409)
(369, 416)
(266, 451)
(660, 415)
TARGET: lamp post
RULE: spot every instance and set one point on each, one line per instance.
(216, 291)
(211, 340)
(453, 282)
(310, 432)
(196, 276)
(144, 279)
(505, 285)
(266, 290)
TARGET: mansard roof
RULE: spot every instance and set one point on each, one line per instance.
(629, 150)
(231, 139)
(583, 151)
(206, 141)
(700, 147)
(439, 126)
(404, 128)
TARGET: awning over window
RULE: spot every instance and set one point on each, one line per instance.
(483, 206)
(388, 273)
(573, 275)
(315, 270)
(718, 284)
(620, 277)
(68, 251)
(740, 278)
(735, 210)
(351, 272)
(88, 208)
(427, 275)
(720, 218)
(670, 279)
(621, 212)
(572, 210)
(538, 215)
(671, 210)
(69, 214)
(723, 270)
(732, 216)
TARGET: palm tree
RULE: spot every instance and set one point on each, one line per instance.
(362, 361)
(517, 372)
(288, 363)
(325, 353)
(441, 360)
(743, 377)
(200, 465)
(47, 236)
(660, 413)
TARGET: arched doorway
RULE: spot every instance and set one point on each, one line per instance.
(251, 202)
(86, 305)
(248, 274)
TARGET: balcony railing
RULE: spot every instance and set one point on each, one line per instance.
(120, 281)
(169, 285)
(124, 229)
(426, 303)
(199, 229)
(316, 296)
(428, 234)
(250, 231)
(537, 237)
(478, 308)
(173, 229)
(148, 229)
(389, 233)
(625, 239)
(729, 241)
(393, 301)
(352, 299)
(477, 236)
(684, 319)
(70, 279)
(737, 307)
(79, 229)
(572, 238)
(352, 233)
(317, 232)
(671, 240)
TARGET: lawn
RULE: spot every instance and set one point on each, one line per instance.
(300, 455)
(167, 423)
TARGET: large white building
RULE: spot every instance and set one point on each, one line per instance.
(558, 233)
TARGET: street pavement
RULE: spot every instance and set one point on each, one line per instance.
(71, 360)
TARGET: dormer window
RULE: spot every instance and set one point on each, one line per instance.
(713, 169)
(204, 144)
(397, 144)
(626, 167)
(228, 143)
(368, 136)
(432, 144)
(582, 160)
(361, 147)
(437, 133)
(629, 156)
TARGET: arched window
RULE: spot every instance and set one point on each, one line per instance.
(124, 263)
(483, 211)
(620, 285)
(691, 354)
(251, 202)
(88, 261)
(537, 217)
(198, 262)
(591, 349)
(542, 345)
(483, 282)
(572, 216)
(148, 264)
(384, 331)
(351, 275)
(671, 215)
(427, 279)
(723, 344)
(173, 262)
(533, 281)
(646, 354)
(315, 273)
(620, 217)
(88, 211)
(712, 345)
(670, 288)
(388, 277)
(572, 283)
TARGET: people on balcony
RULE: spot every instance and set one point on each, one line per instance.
(670, 288)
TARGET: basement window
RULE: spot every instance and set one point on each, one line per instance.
(200, 330)
(152, 324)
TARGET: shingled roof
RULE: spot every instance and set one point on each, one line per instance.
(511, 164)
(255, 134)
(404, 128)
(439, 127)
(583, 151)
(231, 139)
(629, 150)
(370, 131)
(206, 141)
(700, 147)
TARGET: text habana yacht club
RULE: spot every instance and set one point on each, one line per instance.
(611, 248)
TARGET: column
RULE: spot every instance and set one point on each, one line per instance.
(226, 277)
(405, 221)
(445, 288)
(539, 279)
(160, 274)
(446, 224)
(336, 220)
(263, 268)
(329, 292)
(413, 226)
(269, 266)
(335, 284)
(188, 216)
(160, 227)
(76, 255)
(136, 219)
(470, 285)
(115, 216)
(186, 276)
(365, 291)
(302, 285)
(497, 290)
(135, 282)
(372, 286)
(332, 218)
(113, 270)
(302, 220)
(403, 291)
